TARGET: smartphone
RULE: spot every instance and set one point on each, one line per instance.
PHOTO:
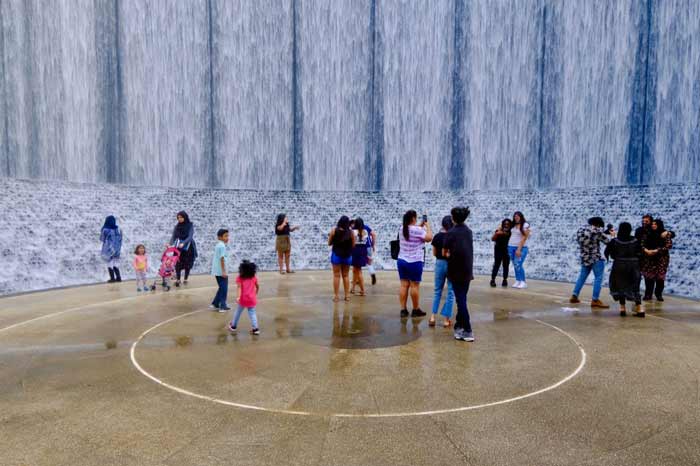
(425, 218)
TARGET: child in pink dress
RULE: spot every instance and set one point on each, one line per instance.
(247, 296)
(141, 267)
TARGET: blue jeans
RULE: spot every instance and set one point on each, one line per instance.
(598, 271)
(518, 262)
(463, 321)
(440, 279)
(251, 313)
(221, 293)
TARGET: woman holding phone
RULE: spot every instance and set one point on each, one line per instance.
(412, 239)
(283, 243)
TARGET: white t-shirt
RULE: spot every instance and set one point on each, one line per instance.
(413, 248)
(516, 235)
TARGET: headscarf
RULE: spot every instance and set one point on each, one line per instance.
(182, 230)
(654, 240)
(110, 223)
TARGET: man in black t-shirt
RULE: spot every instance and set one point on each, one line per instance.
(459, 250)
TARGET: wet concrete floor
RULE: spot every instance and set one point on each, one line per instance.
(103, 375)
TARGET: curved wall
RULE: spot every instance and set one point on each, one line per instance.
(51, 229)
(351, 94)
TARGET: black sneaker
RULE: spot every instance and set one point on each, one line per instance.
(374, 279)
(417, 313)
(492, 283)
(177, 284)
(404, 312)
(255, 331)
(504, 283)
(660, 299)
(646, 298)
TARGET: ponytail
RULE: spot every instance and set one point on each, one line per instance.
(407, 219)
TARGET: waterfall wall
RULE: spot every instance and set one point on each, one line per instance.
(351, 94)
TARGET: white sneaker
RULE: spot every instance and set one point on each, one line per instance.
(516, 284)
(523, 285)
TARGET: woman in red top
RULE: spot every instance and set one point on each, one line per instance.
(247, 296)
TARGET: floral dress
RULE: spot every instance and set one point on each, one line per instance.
(655, 267)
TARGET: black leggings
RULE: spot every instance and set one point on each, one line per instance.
(500, 257)
(178, 271)
(653, 286)
(637, 301)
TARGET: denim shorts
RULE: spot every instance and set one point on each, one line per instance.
(411, 271)
(337, 260)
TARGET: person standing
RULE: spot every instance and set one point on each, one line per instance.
(371, 249)
(219, 268)
(656, 260)
(459, 250)
(359, 254)
(412, 239)
(441, 277)
(500, 252)
(183, 239)
(342, 242)
(625, 251)
(589, 238)
(283, 243)
(519, 234)
(111, 238)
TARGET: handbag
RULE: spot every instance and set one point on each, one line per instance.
(395, 246)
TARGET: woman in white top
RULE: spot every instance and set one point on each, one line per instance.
(519, 234)
(412, 239)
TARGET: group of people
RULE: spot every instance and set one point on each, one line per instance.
(644, 254)
(353, 243)
(182, 238)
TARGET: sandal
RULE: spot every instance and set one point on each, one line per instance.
(431, 322)
(336, 299)
(447, 323)
(361, 293)
(347, 298)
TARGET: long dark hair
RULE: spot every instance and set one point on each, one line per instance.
(360, 227)
(280, 219)
(407, 219)
(503, 224)
(344, 223)
(624, 231)
(522, 220)
(247, 269)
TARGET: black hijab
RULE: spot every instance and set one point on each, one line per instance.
(654, 240)
(110, 223)
(182, 230)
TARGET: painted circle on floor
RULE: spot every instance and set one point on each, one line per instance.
(305, 363)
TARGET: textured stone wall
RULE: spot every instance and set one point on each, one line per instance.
(51, 229)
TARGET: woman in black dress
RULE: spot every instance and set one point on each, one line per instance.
(625, 250)
(183, 239)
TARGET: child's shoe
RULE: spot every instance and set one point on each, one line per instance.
(255, 331)
(231, 328)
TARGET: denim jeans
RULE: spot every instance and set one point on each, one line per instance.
(462, 321)
(251, 313)
(598, 271)
(518, 262)
(440, 279)
(221, 293)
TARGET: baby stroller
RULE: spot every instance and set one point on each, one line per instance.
(167, 267)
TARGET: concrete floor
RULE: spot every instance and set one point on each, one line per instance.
(546, 383)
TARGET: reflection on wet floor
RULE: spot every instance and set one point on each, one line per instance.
(183, 340)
